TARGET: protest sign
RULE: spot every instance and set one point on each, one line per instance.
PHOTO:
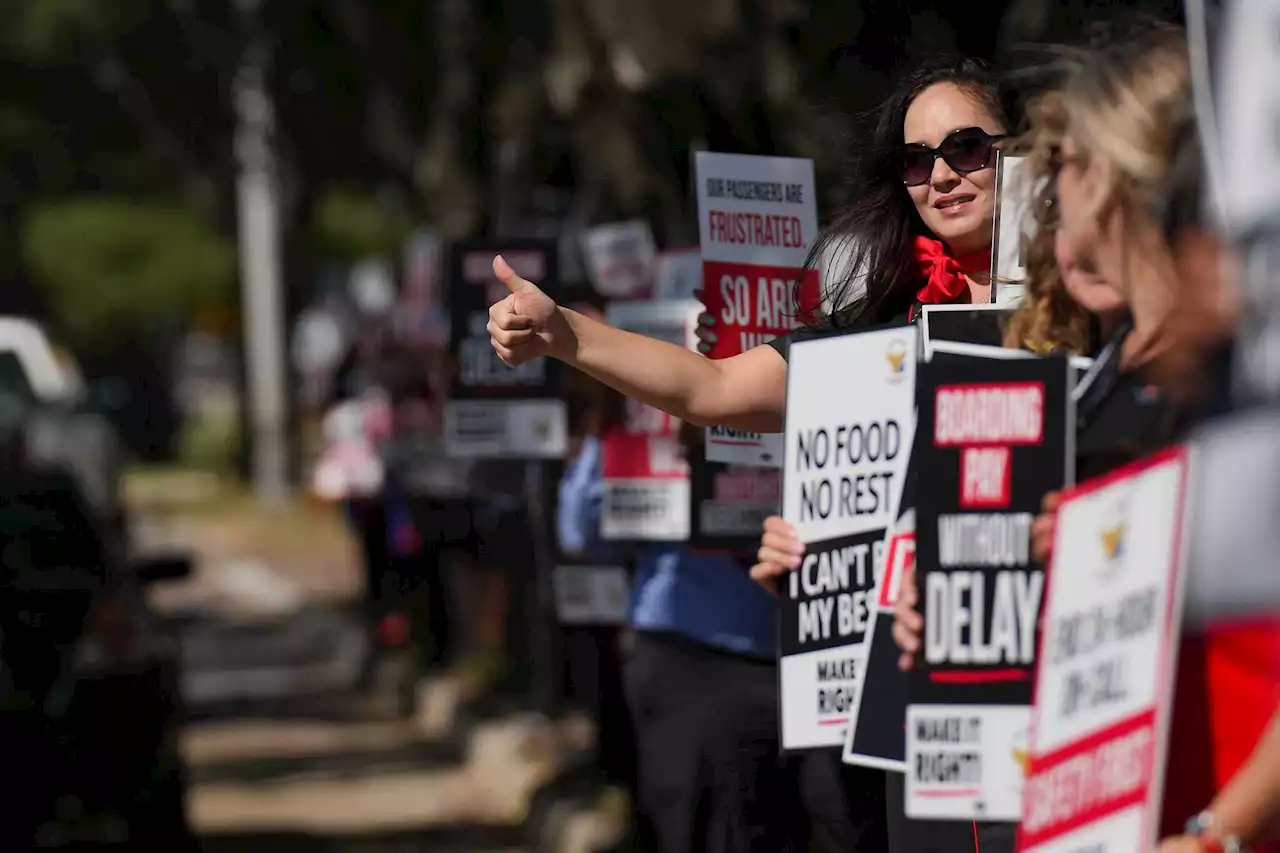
(875, 738)
(731, 502)
(995, 436)
(646, 475)
(947, 351)
(591, 595)
(1104, 678)
(1249, 104)
(1014, 225)
(678, 275)
(845, 464)
(495, 410)
(420, 317)
(757, 217)
(981, 325)
(371, 287)
(620, 258)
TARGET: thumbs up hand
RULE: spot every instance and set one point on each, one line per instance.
(527, 323)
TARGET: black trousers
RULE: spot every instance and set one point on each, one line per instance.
(844, 805)
(592, 683)
(710, 775)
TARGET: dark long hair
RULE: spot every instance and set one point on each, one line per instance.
(879, 224)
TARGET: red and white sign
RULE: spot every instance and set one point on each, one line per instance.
(1104, 687)
(757, 218)
(646, 476)
(621, 259)
(350, 466)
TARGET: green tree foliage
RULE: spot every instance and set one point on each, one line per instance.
(351, 225)
(112, 266)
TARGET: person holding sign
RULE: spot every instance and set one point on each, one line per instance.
(920, 221)
(1067, 305)
(1124, 123)
(879, 238)
(700, 683)
(1226, 689)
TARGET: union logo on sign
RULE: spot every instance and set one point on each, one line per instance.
(896, 355)
(1113, 541)
(1020, 754)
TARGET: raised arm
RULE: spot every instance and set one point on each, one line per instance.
(747, 391)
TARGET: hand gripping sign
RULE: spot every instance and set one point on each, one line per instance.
(757, 217)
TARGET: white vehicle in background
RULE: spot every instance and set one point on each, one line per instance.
(43, 391)
(31, 368)
(88, 672)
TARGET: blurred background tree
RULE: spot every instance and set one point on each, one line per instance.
(113, 268)
(479, 117)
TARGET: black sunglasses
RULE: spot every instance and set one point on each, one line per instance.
(965, 150)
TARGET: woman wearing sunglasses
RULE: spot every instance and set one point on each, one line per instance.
(917, 230)
(919, 221)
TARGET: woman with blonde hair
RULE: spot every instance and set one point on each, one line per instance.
(1127, 131)
(1067, 305)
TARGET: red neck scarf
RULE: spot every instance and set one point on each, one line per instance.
(944, 273)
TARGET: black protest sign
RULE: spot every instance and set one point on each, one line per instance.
(994, 440)
(495, 410)
(981, 324)
(473, 288)
(833, 592)
(995, 436)
(877, 739)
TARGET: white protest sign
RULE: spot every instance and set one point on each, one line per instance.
(757, 218)
(847, 447)
(678, 275)
(620, 258)
(1104, 685)
(319, 341)
(1250, 114)
(646, 475)
(372, 287)
(591, 595)
(1014, 224)
(1249, 193)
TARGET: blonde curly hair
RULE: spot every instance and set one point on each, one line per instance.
(1048, 320)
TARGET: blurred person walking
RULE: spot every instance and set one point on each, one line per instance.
(701, 686)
